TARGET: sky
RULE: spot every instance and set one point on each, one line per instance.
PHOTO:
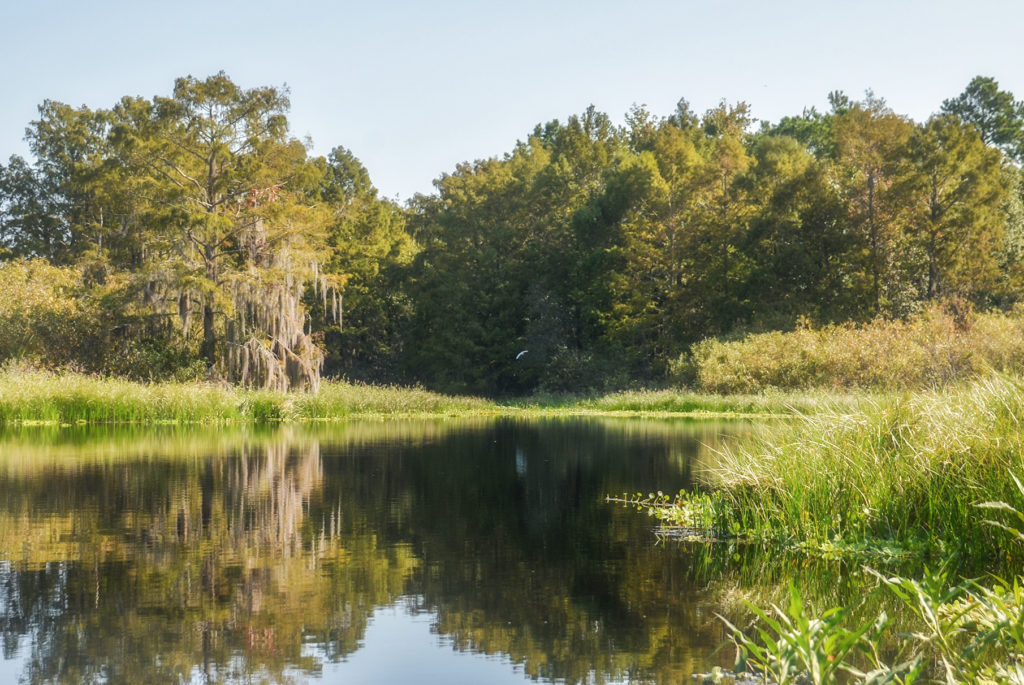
(415, 88)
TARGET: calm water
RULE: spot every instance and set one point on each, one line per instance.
(430, 551)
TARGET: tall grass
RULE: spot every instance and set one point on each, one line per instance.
(901, 470)
(37, 396)
(933, 349)
(338, 400)
(772, 403)
(29, 395)
(32, 396)
(947, 630)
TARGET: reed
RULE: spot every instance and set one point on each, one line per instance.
(339, 400)
(29, 395)
(38, 396)
(33, 396)
(943, 629)
(899, 471)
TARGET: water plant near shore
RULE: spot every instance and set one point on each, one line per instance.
(29, 395)
(951, 631)
(900, 472)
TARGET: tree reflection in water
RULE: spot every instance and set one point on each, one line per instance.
(176, 555)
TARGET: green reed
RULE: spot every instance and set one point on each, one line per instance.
(896, 473)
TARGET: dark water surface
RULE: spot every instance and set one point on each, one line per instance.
(460, 551)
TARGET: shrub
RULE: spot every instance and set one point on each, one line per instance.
(932, 349)
(41, 316)
(50, 318)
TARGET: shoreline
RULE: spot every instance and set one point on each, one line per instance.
(44, 399)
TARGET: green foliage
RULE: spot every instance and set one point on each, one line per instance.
(371, 251)
(794, 647)
(688, 515)
(51, 319)
(951, 632)
(41, 316)
(896, 471)
(954, 195)
(997, 116)
(204, 234)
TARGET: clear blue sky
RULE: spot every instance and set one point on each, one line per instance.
(413, 88)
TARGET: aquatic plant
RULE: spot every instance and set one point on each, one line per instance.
(899, 472)
(952, 631)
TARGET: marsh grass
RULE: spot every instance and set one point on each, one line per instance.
(34, 396)
(38, 396)
(29, 395)
(949, 631)
(933, 349)
(902, 473)
(773, 403)
(338, 400)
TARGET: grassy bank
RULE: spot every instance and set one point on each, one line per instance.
(772, 403)
(40, 397)
(934, 476)
(28, 396)
(900, 472)
(933, 349)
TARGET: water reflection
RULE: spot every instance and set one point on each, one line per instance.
(245, 554)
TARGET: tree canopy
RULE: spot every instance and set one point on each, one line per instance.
(202, 238)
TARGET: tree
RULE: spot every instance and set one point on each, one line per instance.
(55, 207)
(957, 217)
(370, 251)
(997, 116)
(29, 223)
(796, 242)
(655, 312)
(870, 143)
(227, 190)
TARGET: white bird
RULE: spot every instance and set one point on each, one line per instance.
(521, 354)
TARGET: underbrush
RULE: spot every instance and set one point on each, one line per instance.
(935, 348)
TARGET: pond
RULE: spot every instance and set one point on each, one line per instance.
(456, 551)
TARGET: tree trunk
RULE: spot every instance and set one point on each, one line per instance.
(873, 233)
(933, 248)
(209, 348)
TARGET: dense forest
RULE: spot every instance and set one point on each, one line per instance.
(193, 236)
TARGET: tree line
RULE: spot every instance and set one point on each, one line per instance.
(193, 234)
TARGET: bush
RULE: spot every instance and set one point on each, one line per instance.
(42, 317)
(49, 318)
(938, 347)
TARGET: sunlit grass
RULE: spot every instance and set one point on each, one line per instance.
(895, 473)
(42, 397)
(932, 349)
(35, 396)
(689, 402)
(942, 629)
(339, 399)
